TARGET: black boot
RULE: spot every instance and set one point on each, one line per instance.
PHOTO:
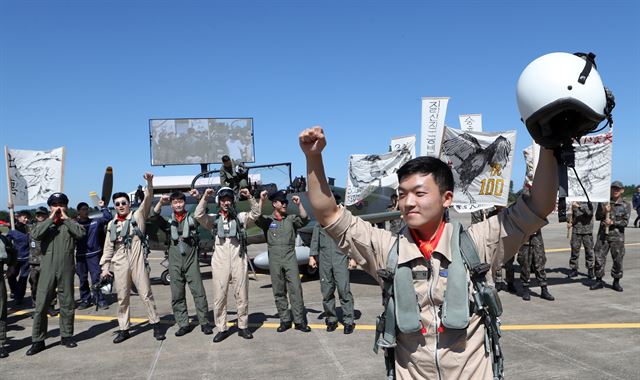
(526, 296)
(35, 348)
(599, 284)
(183, 331)
(206, 329)
(121, 337)
(68, 342)
(590, 274)
(284, 326)
(573, 273)
(245, 333)
(511, 288)
(332, 326)
(220, 336)
(616, 285)
(349, 327)
(157, 331)
(544, 294)
(3, 352)
(302, 327)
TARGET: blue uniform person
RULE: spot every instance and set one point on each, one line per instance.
(20, 239)
(7, 256)
(89, 252)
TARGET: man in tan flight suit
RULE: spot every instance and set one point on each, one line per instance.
(124, 249)
(229, 260)
(425, 191)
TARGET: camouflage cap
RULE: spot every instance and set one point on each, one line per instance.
(617, 184)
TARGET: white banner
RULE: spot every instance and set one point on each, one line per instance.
(481, 163)
(368, 171)
(471, 123)
(34, 175)
(434, 111)
(531, 156)
(409, 142)
(593, 164)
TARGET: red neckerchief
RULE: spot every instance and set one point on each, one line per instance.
(278, 216)
(224, 214)
(121, 218)
(428, 246)
(180, 217)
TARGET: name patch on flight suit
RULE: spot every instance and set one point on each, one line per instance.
(273, 226)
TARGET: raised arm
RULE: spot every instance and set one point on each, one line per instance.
(302, 219)
(254, 213)
(312, 142)
(145, 207)
(201, 209)
(545, 185)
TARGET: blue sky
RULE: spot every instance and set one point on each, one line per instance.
(89, 74)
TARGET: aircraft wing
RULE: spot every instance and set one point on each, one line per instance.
(380, 217)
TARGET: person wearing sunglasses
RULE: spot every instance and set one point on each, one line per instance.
(58, 235)
(124, 248)
(281, 230)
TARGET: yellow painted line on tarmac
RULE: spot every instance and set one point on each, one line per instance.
(322, 326)
(569, 249)
(572, 326)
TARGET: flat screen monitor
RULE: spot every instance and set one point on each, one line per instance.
(200, 141)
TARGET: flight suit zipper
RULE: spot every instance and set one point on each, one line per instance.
(437, 320)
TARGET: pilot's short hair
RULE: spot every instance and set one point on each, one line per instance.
(177, 195)
(82, 204)
(440, 171)
(24, 213)
(120, 195)
(226, 158)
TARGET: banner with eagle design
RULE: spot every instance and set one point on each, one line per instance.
(481, 163)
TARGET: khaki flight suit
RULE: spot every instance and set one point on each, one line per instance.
(229, 267)
(57, 269)
(283, 264)
(129, 265)
(451, 354)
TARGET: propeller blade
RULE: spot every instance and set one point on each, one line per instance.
(107, 185)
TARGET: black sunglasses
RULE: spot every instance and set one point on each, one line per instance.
(123, 203)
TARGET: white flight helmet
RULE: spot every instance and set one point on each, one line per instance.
(225, 192)
(561, 97)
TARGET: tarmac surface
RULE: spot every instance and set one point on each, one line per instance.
(582, 334)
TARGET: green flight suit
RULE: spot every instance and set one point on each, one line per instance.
(334, 273)
(10, 261)
(184, 268)
(283, 265)
(57, 269)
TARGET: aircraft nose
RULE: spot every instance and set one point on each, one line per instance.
(262, 260)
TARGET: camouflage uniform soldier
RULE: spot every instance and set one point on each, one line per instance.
(531, 256)
(582, 234)
(614, 217)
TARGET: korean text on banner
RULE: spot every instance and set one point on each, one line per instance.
(434, 111)
(34, 175)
